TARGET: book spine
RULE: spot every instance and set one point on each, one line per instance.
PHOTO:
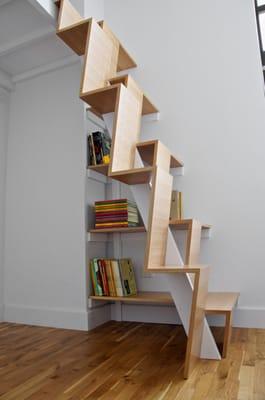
(117, 278)
(103, 277)
(98, 278)
(97, 141)
(90, 152)
(110, 278)
(93, 278)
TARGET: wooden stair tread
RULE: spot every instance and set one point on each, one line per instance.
(104, 100)
(183, 224)
(75, 35)
(130, 177)
(133, 176)
(147, 152)
(220, 302)
(120, 230)
(140, 297)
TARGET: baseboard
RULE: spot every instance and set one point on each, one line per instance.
(1, 312)
(249, 317)
(244, 317)
(55, 318)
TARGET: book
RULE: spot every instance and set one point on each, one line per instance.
(110, 277)
(176, 211)
(103, 273)
(91, 159)
(94, 278)
(98, 278)
(116, 213)
(127, 277)
(117, 277)
(98, 148)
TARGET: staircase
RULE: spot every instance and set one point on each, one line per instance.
(146, 167)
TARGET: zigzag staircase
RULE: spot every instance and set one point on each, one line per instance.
(145, 166)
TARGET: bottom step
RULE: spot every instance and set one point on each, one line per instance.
(217, 302)
(221, 302)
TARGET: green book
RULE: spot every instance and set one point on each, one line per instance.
(127, 276)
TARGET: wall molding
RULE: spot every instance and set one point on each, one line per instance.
(1, 312)
(82, 320)
(244, 317)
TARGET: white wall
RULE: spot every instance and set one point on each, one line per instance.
(199, 62)
(4, 118)
(45, 271)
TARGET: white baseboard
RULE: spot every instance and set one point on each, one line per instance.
(249, 317)
(1, 312)
(244, 317)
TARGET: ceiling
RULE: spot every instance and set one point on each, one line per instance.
(27, 39)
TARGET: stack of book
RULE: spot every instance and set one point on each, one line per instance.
(98, 148)
(119, 213)
(112, 277)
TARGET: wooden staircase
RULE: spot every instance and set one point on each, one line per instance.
(146, 167)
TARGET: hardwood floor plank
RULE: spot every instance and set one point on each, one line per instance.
(125, 360)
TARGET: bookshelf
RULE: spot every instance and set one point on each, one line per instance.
(106, 92)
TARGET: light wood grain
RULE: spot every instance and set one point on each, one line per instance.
(134, 176)
(100, 59)
(184, 224)
(125, 61)
(193, 243)
(126, 128)
(68, 15)
(197, 314)
(147, 151)
(140, 297)
(100, 168)
(157, 230)
(220, 302)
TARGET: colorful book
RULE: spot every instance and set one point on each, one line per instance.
(117, 277)
(110, 277)
(98, 279)
(104, 279)
(127, 277)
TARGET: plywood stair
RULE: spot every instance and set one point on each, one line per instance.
(146, 167)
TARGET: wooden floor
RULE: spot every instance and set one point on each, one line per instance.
(124, 361)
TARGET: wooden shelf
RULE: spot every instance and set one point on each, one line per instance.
(119, 230)
(221, 302)
(147, 153)
(184, 224)
(100, 168)
(134, 176)
(217, 302)
(104, 100)
(140, 297)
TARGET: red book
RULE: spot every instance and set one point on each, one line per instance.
(102, 268)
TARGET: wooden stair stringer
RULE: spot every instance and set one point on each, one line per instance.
(180, 285)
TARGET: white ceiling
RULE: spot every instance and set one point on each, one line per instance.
(27, 38)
